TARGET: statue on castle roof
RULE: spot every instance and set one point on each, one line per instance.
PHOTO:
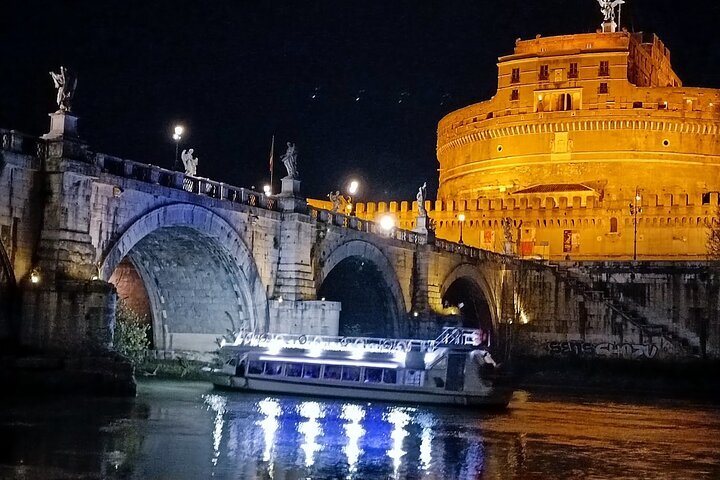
(421, 195)
(65, 83)
(607, 7)
(289, 159)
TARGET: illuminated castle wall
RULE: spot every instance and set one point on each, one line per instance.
(579, 122)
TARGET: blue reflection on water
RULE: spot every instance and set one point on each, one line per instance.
(262, 436)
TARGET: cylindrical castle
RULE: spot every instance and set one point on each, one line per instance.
(588, 136)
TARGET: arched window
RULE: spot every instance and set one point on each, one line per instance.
(613, 225)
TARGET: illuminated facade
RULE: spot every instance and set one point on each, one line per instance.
(582, 128)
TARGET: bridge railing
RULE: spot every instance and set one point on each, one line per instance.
(19, 142)
(453, 247)
(355, 223)
(178, 180)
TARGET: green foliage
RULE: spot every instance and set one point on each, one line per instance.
(131, 334)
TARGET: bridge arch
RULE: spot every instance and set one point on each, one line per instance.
(199, 277)
(360, 276)
(466, 285)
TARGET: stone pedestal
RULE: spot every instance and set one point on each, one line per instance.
(423, 226)
(289, 198)
(609, 27)
(62, 125)
(63, 139)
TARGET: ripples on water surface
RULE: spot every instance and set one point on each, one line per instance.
(185, 430)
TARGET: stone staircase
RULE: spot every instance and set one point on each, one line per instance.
(626, 312)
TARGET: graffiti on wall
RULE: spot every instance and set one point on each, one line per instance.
(617, 350)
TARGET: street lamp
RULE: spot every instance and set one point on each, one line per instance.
(352, 189)
(635, 209)
(268, 190)
(461, 217)
(387, 223)
(177, 136)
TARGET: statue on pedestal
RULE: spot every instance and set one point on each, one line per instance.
(189, 162)
(289, 159)
(421, 195)
(66, 83)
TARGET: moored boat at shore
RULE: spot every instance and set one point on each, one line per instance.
(454, 369)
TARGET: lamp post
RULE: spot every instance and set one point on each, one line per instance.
(461, 218)
(635, 209)
(352, 189)
(387, 223)
(177, 136)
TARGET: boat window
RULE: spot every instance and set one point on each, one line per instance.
(389, 376)
(273, 368)
(256, 367)
(311, 371)
(293, 369)
(373, 375)
(414, 377)
(332, 372)
(351, 374)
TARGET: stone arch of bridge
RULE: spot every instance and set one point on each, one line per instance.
(199, 276)
(469, 278)
(380, 280)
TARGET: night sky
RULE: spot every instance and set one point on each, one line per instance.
(358, 86)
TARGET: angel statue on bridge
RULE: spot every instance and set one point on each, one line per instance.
(189, 162)
(66, 83)
(290, 161)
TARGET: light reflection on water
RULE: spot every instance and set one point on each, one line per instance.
(177, 430)
(343, 438)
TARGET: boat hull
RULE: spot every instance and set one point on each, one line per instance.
(491, 398)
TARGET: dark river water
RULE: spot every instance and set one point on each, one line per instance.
(176, 430)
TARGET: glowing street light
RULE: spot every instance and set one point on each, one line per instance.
(177, 136)
(387, 223)
(267, 189)
(461, 218)
(353, 187)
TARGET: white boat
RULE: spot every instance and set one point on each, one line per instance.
(454, 369)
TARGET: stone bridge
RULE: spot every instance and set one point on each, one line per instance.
(199, 257)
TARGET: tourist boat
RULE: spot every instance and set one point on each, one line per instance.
(454, 369)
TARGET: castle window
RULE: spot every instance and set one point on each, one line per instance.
(515, 76)
(637, 104)
(515, 95)
(573, 72)
(564, 102)
(706, 198)
(613, 225)
(603, 88)
(604, 68)
(544, 72)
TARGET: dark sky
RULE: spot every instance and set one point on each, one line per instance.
(237, 72)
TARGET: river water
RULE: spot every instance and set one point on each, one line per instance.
(178, 430)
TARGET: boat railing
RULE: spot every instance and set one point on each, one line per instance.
(450, 336)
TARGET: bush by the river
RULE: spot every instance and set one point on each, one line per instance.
(131, 334)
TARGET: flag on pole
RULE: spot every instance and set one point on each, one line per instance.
(272, 154)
